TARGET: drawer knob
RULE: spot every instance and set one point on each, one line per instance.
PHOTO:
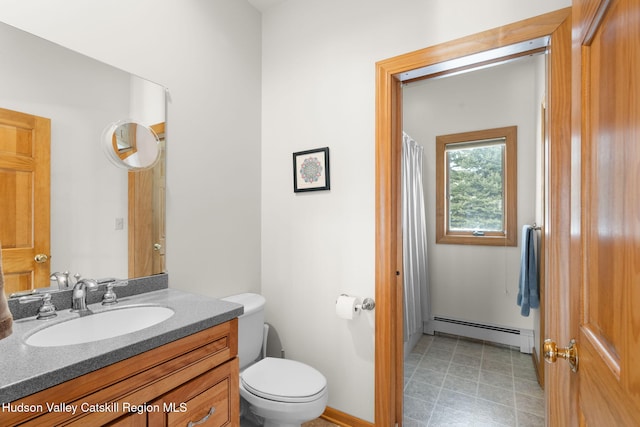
(203, 419)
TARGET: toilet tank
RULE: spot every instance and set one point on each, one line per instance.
(250, 326)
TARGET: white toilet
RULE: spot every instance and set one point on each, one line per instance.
(280, 392)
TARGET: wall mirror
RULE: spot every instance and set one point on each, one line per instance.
(131, 145)
(96, 209)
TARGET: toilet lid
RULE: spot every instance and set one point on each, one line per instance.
(283, 380)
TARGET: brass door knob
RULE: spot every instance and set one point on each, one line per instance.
(157, 246)
(40, 258)
(570, 354)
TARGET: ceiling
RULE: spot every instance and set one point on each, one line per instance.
(263, 5)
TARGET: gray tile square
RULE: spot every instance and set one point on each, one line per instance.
(440, 353)
(422, 391)
(409, 422)
(463, 359)
(417, 409)
(444, 342)
(496, 379)
(412, 359)
(497, 366)
(496, 394)
(499, 354)
(530, 404)
(473, 350)
(525, 373)
(496, 412)
(522, 360)
(429, 376)
(434, 363)
(532, 388)
(529, 420)
(464, 371)
(461, 385)
(444, 416)
(458, 401)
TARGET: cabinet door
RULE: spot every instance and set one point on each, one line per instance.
(211, 399)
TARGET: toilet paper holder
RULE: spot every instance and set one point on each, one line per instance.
(366, 304)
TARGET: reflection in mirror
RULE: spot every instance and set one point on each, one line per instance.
(88, 228)
(131, 145)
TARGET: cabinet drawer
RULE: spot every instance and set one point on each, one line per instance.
(210, 408)
(210, 399)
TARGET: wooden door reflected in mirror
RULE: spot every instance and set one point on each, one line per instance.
(146, 215)
(25, 199)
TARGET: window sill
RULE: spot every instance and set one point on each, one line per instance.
(469, 239)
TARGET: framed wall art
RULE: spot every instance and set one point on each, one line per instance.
(311, 170)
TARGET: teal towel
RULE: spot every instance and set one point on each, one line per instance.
(528, 286)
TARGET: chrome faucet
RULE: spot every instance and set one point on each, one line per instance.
(79, 297)
(63, 279)
(47, 310)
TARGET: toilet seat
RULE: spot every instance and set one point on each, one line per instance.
(283, 380)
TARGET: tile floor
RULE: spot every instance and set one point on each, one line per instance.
(452, 381)
(318, 422)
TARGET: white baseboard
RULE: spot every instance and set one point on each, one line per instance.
(521, 338)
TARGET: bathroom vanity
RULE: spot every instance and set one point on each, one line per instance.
(182, 370)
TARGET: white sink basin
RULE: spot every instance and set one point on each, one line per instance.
(99, 326)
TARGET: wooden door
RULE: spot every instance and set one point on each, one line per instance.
(147, 215)
(24, 200)
(158, 206)
(604, 291)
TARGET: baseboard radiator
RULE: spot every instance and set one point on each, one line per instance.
(522, 338)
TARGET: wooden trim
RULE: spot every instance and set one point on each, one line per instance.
(42, 199)
(140, 205)
(510, 180)
(556, 230)
(388, 365)
(343, 419)
(388, 333)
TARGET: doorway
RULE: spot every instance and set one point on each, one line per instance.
(460, 54)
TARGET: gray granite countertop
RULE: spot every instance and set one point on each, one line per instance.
(25, 370)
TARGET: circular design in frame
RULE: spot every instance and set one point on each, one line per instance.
(311, 170)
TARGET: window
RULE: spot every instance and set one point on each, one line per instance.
(476, 175)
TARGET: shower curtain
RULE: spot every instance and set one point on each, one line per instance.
(414, 244)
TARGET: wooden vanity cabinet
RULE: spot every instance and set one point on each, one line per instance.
(194, 379)
(204, 400)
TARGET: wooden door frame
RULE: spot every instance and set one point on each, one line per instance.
(388, 265)
(139, 201)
